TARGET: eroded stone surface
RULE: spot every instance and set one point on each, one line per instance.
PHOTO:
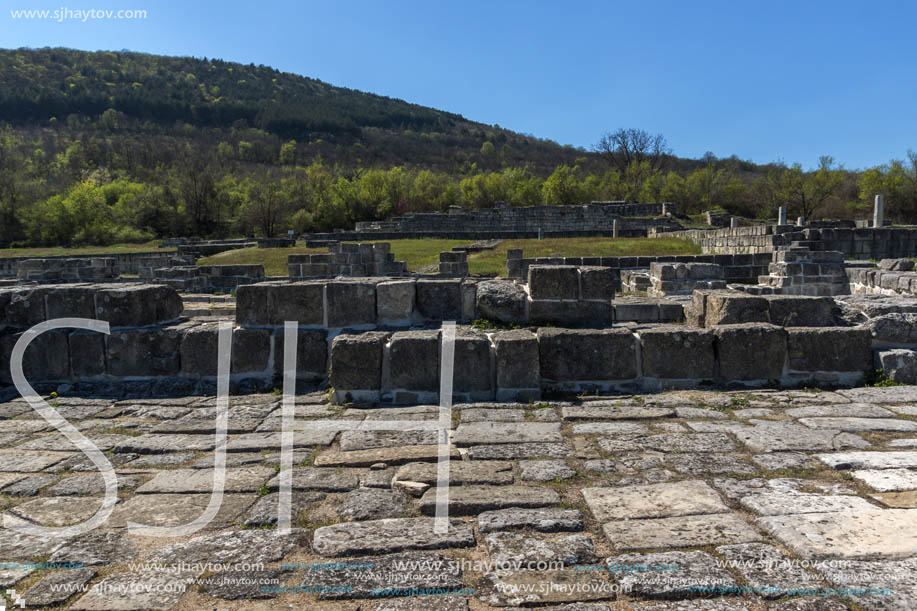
(682, 531)
(543, 520)
(393, 534)
(471, 500)
(654, 501)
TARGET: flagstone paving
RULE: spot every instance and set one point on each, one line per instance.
(676, 501)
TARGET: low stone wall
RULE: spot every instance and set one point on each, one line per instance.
(127, 263)
(148, 265)
(453, 263)
(193, 278)
(213, 247)
(68, 270)
(882, 282)
(684, 278)
(347, 259)
(800, 271)
(276, 242)
(712, 308)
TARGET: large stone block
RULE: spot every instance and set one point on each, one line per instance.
(831, 349)
(356, 361)
(439, 299)
(751, 351)
(597, 283)
(199, 350)
(311, 354)
(70, 302)
(45, 359)
(572, 313)
(517, 363)
(553, 282)
(351, 303)
(303, 302)
(586, 354)
(677, 352)
(251, 352)
(137, 305)
(899, 365)
(26, 308)
(472, 373)
(395, 300)
(894, 328)
(501, 300)
(798, 311)
(153, 351)
(87, 354)
(727, 308)
(415, 359)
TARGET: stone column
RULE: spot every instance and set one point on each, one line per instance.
(878, 212)
(781, 215)
(801, 221)
(614, 228)
(733, 221)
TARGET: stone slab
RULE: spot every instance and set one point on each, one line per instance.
(478, 433)
(682, 531)
(653, 501)
(472, 500)
(389, 535)
(542, 520)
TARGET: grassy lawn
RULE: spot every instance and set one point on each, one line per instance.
(494, 261)
(421, 253)
(53, 251)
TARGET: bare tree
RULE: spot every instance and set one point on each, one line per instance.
(625, 146)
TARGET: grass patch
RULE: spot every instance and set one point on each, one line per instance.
(55, 251)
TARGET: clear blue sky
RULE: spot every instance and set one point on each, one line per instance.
(780, 80)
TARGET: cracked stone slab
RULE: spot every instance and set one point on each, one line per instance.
(736, 489)
(368, 440)
(162, 444)
(705, 426)
(309, 478)
(87, 485)
(709, 464)
(843, 410)
(472, 500)
(390, 456)
(773, 503)
(511, 451)
(389, 535)
(379, 478)
(256, 546)
(544, 470)
(853, 535)
(892, 394)
(861, 424)
(20, 547)
(177, 509)
(29, 462)
(57, 586)
(699, 412)
(204, 426)
(693, 569)
(613, 412)
(461, 473)
(23, 426)
(767, 569)
(784, 460)
(361, 578)
(257, 442)
(164, 460)
(371, 504)
(687, 442)
(29, 486)
(96, 548)
(264, 512)
(887, 480)
(248, 479)
(653, 501)
(682, 531)
(484, 433)
(870, 460)
(534, 587)
(58, 510)
(150, 589)
(785, 436)
(476, 414)
(244, 585)
(512, 549)
(9, 478)
(542, 520)
(898, 576)
(609, 428)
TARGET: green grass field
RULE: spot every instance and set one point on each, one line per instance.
(422, 253)
(54, 251)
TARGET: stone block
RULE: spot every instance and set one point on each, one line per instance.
(899, 365)
(152, 351)
(472, 373)
(893, 328)
(25, 308)
(517, 362)
(799, 311)
(199, 350)
(439, 299)
(728, 308)
(501, 300)
(553, 282)
(251, 352)
(586, 354)
(415, 359)
(572, 313)
(70, 302)
(137, 305)
(597, 283)
(356, 361)
(303, 302)
(677, 352)
(351, 303)
(87, 354)
(311, 354)
(45, 359)
(395, 300)
(751, 351)
(831, 349)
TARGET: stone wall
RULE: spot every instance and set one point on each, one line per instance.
(347, 259)
(800, 271)
(684, 278)
(193, 278)
(97, 269)
(128, 262)
(882, 282)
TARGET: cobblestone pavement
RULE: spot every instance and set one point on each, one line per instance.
(684, 500)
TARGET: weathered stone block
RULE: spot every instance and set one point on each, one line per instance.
(893, 328)
(473, 373)
(303, 302)
(439, 299)
(572, 313)
(87, 354)
(70, 302)
(677, 352)
(311, 354)
(586, 354)
(26, 308)
(351, 303)
(251, 351)
(145, 352)
(415, 360)
(199, 350)
(517, 361)
(137, 305)
(798, 311)
(45, 359)
(395, 300)
(597, 283)
(751, 351)
(553, 282)
(832, 349)
(727, 308)
(900, 365)
(501, 300)
(356, 361)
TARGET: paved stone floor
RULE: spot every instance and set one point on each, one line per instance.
(682, 500)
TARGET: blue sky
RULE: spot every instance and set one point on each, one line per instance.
(775, 81)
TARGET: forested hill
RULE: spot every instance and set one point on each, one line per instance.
(38, 85)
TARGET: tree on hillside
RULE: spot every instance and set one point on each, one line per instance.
(806, 193)
(898, 182)
(625, 146)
